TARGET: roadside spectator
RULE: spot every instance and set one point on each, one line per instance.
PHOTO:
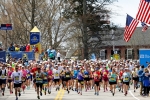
(17, 48)
(28, 48)
(54, 53)
(49, 50)
(1, 49)
(21, 48)
(58, 55)
(11, 48)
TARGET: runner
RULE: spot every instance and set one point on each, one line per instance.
(24, 74)
(126, 81)
(10, 71)
(67, 78)
(3, 76)
(86, 79)
(56, 73)
(80, 78)
(113, 81)
(45, 81)
(39, 81)
(105, 78)
(16, 77)
(97, 77)
(50, 79)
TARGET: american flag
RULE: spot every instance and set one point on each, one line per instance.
(144, 27)
(143, 14)
(131, 25)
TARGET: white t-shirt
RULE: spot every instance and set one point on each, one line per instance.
(58, 54)
(56, 74)
(16, 76)
(3, 74)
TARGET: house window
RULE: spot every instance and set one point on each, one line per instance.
(103, 54)
(129, 53)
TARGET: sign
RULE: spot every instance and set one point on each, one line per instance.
(34, 38)
(93, 57)
(6, 26)
(116, 56)
(144, 56)
(21, 54)
(2, 56)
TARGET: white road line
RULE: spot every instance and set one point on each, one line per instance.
(133, 95)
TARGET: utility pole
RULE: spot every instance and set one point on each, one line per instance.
(85, 37)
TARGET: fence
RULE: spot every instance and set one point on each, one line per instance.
(17, 55)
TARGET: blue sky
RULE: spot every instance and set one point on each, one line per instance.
(121, 8)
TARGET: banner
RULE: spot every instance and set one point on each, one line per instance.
(20, 54)
(144, 57)
(93, 57)
(36, 48)
(2, 56)
(34, 38)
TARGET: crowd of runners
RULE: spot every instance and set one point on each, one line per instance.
(77, 76)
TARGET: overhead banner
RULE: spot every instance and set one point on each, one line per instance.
(2, 56)
(18, 55)
(34, 38)
(144, 57)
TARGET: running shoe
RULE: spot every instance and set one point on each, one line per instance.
(40, 93)
(38, 97)
(19, 94)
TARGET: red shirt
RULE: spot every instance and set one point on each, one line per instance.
(97, 76)
(34, 69)
(105, 73)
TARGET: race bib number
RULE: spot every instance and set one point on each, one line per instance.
(112, 79)
(67, 75)
(38, 78)
(16, 78)
(120, 81)
(50, 76)
(45, 78)
(28, 75)
(126, 78)
(86, 76)
(82, 82)
(56, 75)
(23, 79)
(3, 76)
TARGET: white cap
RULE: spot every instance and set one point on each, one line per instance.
(20, 65)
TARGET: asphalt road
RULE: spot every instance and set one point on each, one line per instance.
(63, 95)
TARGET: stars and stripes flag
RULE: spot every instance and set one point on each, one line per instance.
(144, 27)
(131, 25)
(143, 14)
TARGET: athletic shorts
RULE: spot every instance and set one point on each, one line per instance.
(81, 82)
(86, 79)
(105, 79)
(96, 83)
(127, 83)
(67, 79)
(39, 85)
(45, 81)
(112, 83)
(56, 80)
(135, 78)
(9, 81)
(2, 81)
(34, 80)
(17, 85)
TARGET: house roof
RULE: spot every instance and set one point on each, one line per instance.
(138, 38)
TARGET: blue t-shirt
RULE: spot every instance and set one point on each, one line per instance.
(75, 73)
(140, 74)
